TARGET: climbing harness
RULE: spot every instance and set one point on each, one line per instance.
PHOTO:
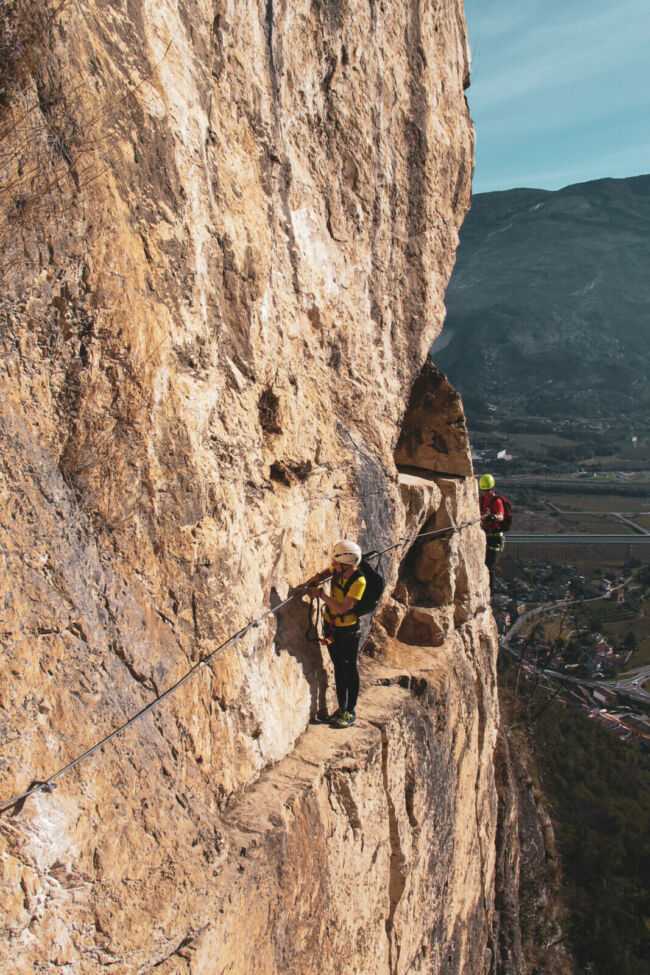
(368, 603)
(48, 785)
(315, 614)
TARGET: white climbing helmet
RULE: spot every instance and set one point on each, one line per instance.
(347, 552)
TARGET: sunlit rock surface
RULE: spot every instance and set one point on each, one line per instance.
(226, 233)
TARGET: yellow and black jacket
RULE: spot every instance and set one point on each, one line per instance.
(339, 589)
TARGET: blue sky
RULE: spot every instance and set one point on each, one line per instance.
(560, 91)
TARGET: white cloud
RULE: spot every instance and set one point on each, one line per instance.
(533, 53)
(560, 91)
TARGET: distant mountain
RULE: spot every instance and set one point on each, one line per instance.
(548, 308)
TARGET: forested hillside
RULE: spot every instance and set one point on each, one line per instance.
(548, 308)
(598, 792)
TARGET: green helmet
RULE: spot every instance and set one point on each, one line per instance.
(486, 482)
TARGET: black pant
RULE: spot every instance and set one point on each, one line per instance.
(343, 652)
(493, 548)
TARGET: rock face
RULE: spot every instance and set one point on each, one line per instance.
(529, 927)
(434, 433)
(226, 233)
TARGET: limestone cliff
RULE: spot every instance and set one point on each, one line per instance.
(227, 228)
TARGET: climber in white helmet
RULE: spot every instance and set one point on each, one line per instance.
(341, 624)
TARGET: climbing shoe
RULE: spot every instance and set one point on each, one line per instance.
(336, 716)
(347, 718)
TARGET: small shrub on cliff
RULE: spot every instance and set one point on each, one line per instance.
(268, 407)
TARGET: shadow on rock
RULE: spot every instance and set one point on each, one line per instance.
(292, 624)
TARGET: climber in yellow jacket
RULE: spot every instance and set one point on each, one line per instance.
(341, 624)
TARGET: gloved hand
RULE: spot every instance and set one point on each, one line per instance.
(314, 592)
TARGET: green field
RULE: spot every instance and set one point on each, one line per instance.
(535, 440)
(590, 557)
(626, 452)
(596, 524)
(624, 504)
(540, 444)
(549, 522)
(587, 507)
(639, 624)
(548, 628)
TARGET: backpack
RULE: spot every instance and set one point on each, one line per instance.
(506, 524)
(375, 585)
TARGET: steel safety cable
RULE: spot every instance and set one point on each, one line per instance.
(47, 785)
(416, 538)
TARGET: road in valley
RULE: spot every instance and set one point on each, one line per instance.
(632, 683)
